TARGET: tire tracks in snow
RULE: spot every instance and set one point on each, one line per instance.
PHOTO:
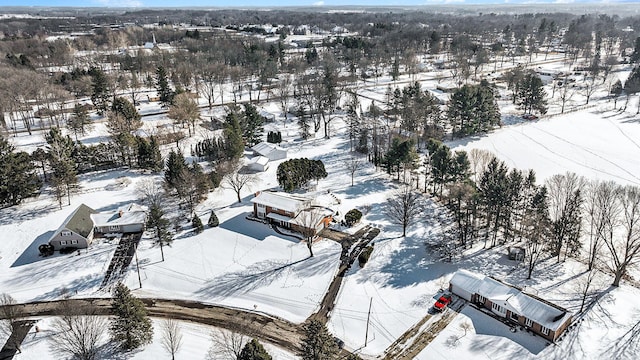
(556, 153)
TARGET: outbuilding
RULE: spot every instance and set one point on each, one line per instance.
(270, 151)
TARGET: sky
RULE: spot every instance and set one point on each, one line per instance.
(270, 3)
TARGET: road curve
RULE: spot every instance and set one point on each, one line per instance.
(271, 329)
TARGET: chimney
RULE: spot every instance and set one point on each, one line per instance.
(120, 213)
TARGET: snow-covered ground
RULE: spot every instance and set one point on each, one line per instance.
(196, 343)
(245, 264)
(598, 143)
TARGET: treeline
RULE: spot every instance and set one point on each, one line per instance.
(567, 216)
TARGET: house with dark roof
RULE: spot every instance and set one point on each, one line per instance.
(84, 223)
(511, 303)
(76, 230)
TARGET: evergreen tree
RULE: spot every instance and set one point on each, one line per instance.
(99, 90)
(234, 145)
(252, 130)
(130, 119)
(473, 109)
(537, 229)
(317, 344)
(253, 350)
(158, 226)
(149, 156)
(635, 56)
(494, 197)
(131, 327)
(213, 220)
(79, 122)
(531, 95)
(198, 227)
(165, 92)
(174, 171)
(296, 173)
(18, 179)
(64, 174)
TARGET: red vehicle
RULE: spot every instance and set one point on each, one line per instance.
(529, 117)
(442, 302)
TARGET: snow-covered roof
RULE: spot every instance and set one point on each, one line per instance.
(265, 148)
(543, 313)
(467, 280)
(280, 200)
(260, 160)
(311, 215)
(495, 290)
(128, 215)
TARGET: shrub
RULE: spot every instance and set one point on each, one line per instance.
(213, 220)
(352, 217)
(364, 255)
(197, 224)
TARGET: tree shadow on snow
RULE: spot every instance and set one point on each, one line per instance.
(263, 274)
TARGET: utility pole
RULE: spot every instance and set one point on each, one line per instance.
(366, 335)
(138, 268)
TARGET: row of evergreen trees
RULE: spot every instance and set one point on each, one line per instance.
(500, 205)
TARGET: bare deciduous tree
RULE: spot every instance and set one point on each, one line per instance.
(308, 221)
(562, 203)
(171, 337)
(150, 191)
(228, 344)
(479, 160)
(621, 234)
(236, 181)
(403, 207)
(78, 334)
(9, 314)
(353, 165)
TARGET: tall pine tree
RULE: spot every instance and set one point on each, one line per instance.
(253, 350)
(18, 179)
(158, 226)
(131, 327)
(317, 344)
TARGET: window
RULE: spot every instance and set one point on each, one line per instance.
(63, 242)
(514, 316)
(545, 330)
(114, 228)
(65, 233)
(481, 299)
(497, 307)
(528, 322)
(74, 242)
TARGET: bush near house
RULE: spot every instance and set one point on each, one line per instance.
(352, 217)
(364, 255)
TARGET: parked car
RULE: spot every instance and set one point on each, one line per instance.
(529, 117)
(442, 302)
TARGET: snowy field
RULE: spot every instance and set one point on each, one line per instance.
(597, 143)
(196, 343)
(247, 265)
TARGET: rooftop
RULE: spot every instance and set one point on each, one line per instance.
(282, 201)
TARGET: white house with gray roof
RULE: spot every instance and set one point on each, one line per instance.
(509, 302)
